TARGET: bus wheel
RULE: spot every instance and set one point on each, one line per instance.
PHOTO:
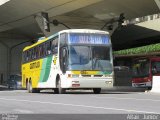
(29, 87)
(59, 89)
(97, 90)
(32, 90)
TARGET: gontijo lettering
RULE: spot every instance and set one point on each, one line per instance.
(35, 65)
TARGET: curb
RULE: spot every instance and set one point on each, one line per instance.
(124, 89)
(3, 87)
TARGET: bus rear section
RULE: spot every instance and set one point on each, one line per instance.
(143, 70)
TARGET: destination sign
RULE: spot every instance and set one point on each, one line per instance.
(88, 39)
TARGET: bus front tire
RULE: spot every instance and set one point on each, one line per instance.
(97, 90)
(59, 89)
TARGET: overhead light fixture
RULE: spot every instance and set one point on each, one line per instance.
(56, 23)
(45, 21)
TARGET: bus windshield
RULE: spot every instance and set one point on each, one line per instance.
(141, 68)
(90, 58)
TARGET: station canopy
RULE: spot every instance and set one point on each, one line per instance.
(18, 18)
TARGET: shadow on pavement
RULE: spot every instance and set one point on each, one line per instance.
(114, 90)
(5, 88)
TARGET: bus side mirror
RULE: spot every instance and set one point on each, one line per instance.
(64, 60)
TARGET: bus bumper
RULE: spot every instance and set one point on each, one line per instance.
(88, 83)
(144, 84)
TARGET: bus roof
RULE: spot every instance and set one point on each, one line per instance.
(35, 44)
(40, 41)
(67, 31)
(84, 30)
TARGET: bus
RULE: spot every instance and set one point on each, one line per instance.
(69, 59)
(143, 70)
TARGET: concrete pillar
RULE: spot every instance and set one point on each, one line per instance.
(16, 56)
(11, 46)
(4, 60)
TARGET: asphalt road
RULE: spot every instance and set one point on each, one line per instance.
(79, 102)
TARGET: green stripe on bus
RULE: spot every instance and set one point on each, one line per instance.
(46, 67)
(42, 70)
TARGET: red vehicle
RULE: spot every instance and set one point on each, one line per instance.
(143, 69)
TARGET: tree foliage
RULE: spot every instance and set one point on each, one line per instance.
(139, 50)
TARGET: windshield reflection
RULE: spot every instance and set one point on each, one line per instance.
(89, 58)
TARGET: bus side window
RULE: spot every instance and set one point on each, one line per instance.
(155, 68)
(46, 51)
(24, 57)
(36, 52)
(40, 51)
(43, 50)
(55, 46)
(48, 48)
(30, 53)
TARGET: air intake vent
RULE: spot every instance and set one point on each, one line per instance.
(86, 75)
(98, 75)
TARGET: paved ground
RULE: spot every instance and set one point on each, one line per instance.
(79, 102)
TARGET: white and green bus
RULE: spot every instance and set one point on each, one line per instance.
(70, 59)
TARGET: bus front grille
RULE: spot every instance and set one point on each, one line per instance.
(98, 75)
(86, 75)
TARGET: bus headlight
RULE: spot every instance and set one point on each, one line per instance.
(75, 75)
(108, 82)
(110, 76)
(72, 75)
